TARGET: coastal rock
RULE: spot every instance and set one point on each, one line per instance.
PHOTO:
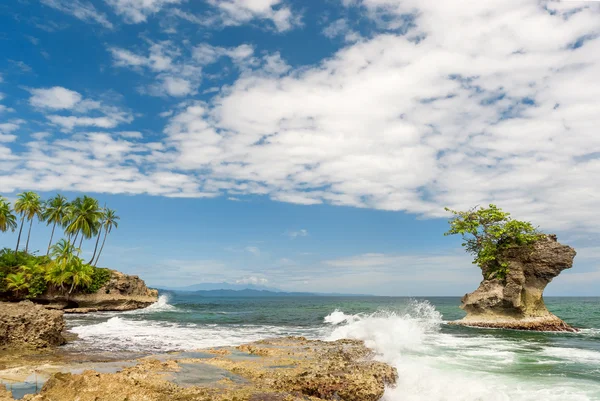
(517, 302)
(26, 325)
(5, 395)
(122, 292)
(288, 369)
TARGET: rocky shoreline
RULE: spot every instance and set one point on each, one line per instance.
(291, 368)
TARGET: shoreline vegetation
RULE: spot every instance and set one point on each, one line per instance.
(25, 275)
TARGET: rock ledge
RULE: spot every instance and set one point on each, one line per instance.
(26, 325)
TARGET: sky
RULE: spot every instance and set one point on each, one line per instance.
(306, 145)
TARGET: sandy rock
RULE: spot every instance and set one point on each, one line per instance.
(288, 369)
(517, 302)
(27, 325)
(122, 292)
(5, 395)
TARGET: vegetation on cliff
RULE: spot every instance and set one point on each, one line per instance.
(488, 233)
(23, 274)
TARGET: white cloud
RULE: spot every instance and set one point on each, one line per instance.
(495, 112)
(296, 234)
(239, 12)
(253, 250)
(56, 98)
(80, 9)
(136, 11)
(487, 102)
(252, 280)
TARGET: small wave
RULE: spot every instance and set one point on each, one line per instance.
(162, 305)
(573, 355)
(122, 334)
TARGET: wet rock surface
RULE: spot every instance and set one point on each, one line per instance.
(517, 302)
(122, 292)
(271, 370)
(27, 325)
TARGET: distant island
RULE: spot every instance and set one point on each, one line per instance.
(249, 293)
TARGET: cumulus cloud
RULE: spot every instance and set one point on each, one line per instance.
(238, 12)
(80, 9)
(136, 11)
(57, 99)
(178, 73)
(487, 102)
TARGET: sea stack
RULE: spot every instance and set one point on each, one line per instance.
(516, 302)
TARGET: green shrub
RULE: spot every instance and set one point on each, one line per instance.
(488, 233)
(100, 277)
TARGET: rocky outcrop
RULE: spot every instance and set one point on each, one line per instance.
(288, 369)
(517, 302)
(122, 292)
(26, 325)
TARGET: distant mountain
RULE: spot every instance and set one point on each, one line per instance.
(252, 293)
(223, 286)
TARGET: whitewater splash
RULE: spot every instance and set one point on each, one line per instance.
(162, 305)
(436, 366)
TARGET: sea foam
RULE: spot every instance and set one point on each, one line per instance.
(437, 366)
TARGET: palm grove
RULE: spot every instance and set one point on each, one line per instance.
(61, 269)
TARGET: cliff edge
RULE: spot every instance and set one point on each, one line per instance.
(517, 301)
(120, 293)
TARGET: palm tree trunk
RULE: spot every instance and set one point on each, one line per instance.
(101, 248)
(51, 236)
(96, 247)
(20, 231)
(75, 239)
(28, 235)
(80, 244)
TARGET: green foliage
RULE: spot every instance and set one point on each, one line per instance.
(100, 277)
(26, 275)
(488, 233)
(8, 220)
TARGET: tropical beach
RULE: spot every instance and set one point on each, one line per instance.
(281, 200)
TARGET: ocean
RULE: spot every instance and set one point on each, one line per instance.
(435, 361)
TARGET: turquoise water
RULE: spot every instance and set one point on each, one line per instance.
(435, 361)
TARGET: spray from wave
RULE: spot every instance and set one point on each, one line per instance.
(437, 366)
(162, 305)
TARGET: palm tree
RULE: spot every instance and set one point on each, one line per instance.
(17, 282)
(8, 220)
(54, 213)
(80, 274)
(110, 220)
(83, 218)
(63, 252)
(28, 206)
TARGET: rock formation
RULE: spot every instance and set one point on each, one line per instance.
(122, 292)
(517, 302)
(26, 325)
(288, 369)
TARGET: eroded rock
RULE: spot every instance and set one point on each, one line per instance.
(273, 370)
(122, 292)
(27, 325)
(517, 302)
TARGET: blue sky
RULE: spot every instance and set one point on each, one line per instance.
(308, 146)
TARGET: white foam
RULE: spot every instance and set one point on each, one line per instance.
(435, 366)
(162, 305)
(572, 355)
(121, 334)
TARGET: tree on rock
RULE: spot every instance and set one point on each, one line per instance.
(488, 233)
